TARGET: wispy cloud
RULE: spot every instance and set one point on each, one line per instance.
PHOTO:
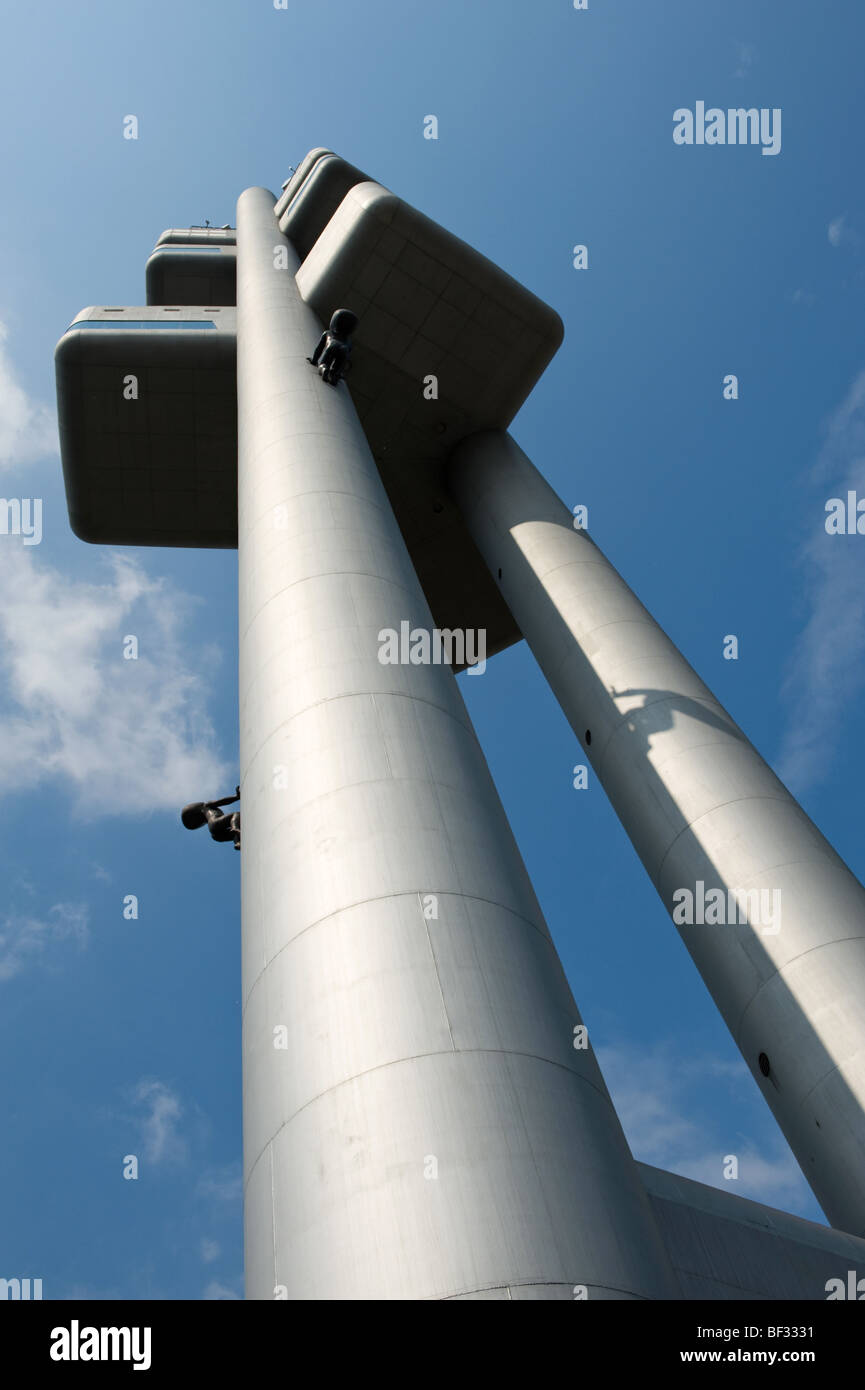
(746, 55)
(659, 1098)
(827, 669)
(28, 429)
(215, 1290)
(161, 1140)
(127, 736)
(24, 940)
(221, 1184)
(88, 1293)
(839, 233)
(209, 1251)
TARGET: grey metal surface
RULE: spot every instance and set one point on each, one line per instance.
(314, 202)
(700, 806)
(428, 303)
(727, 1247)
(198, 236)
(429, 1129)
(159, 467)
(180, 438)
(430, 306)
(191, 274)
(298, 178)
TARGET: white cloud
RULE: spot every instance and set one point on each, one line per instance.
(88, 1293)
(215, 1290)
(24, 940)
(127, 736)
(161, 1141)
(839, 232)
(209, 1250)
(658, 1097)
(222, 1184)
(826, 672)
(28, 430)
(745, 55)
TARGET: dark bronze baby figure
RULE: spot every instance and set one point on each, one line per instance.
(334, 346)
(221, 826)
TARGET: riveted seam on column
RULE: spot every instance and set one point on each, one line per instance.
(623, 717)
(353, 695)
(387, 760)
(419, 1057)
(326, 574)
(570, 564)
(537, 1284)
(386, 897)
(765, 869)
(648, 621)
(673, 753)
(383, 781)
(528, 1141)
(819, 1082)
(588, 633)
(338, 435)
(438, 978)
(434, 784)
(781, 971)
(273, 1216)
(321, 492)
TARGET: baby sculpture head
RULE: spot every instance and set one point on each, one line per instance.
(342, 324)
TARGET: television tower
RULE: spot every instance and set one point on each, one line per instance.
(424, 1116)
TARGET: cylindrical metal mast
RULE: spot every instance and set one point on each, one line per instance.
(705, 813)
(417, 1120)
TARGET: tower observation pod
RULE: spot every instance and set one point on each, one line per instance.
(328, 387)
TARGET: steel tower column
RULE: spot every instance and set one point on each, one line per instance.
(703, 811)
(417, 1121)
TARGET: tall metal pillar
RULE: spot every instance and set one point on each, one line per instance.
(704, 813)
(417, 1120)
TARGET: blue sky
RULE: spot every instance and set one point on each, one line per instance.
(555, 128)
